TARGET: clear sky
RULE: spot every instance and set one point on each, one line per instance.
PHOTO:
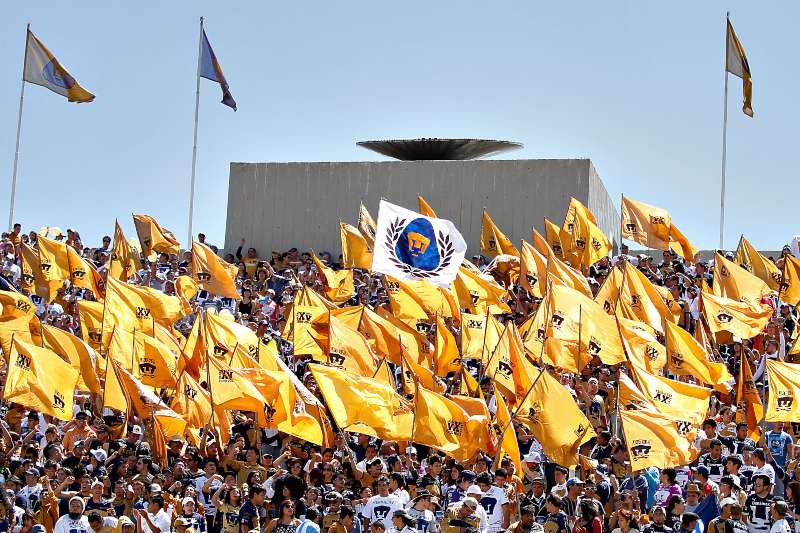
(636, 86)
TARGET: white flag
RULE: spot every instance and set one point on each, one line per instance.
(412, 246)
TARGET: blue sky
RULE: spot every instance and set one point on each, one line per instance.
(635, 86)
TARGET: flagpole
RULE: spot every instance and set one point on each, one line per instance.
(19, 130)
(196, 115)
(724, 142)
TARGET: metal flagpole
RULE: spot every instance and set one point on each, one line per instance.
(724, 141)
(196, 115)
(19, 129)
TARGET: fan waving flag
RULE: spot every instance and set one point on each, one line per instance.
(42, 68)
(210, 69)
(411, 246)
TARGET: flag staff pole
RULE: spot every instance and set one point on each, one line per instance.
(196, 115)
(724, 141)
(19, 129)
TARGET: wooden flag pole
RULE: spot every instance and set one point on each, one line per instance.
(724, 142)
(19, 129)
(194, 146)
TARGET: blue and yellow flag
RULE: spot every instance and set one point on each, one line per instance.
(210, 69)
(42, 68)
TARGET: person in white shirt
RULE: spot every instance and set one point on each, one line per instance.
(155, 519)
(763, 468)
(381, 506)
(74, 521)
(495, 502)
(779, 524)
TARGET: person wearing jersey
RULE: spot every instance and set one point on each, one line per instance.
(421, 510)
(779, 523)
(74, 521)
(229, 506)
(382, 506)
(736, 519)
(757, 507)
(721, 524)
(556, 521)
(714, 461)
(495, 502)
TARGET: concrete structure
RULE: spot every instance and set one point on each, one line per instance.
(275, 206)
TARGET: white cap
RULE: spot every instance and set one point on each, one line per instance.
(136, 430)
(532, 457)
(99, 454)
(728, 501)
(411, 450)
(474, 489)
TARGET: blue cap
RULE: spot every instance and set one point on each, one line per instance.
(702, 469)
(574, 481)
(468, 475)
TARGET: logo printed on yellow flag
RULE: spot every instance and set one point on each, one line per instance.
(212, 273)
(656, 440)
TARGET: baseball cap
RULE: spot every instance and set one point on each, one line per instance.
(537, 478)
(99, 454)
(574, 481)
(468, 475)
(136, 430)
(727, 501)
(532, 457)
(474, 489)
(411, 450)
(470, 502)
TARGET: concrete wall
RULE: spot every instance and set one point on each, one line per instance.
(604, 208)
(275, 206)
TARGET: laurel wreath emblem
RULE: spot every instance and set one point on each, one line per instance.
(443, 241)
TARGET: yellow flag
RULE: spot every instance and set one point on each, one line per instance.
(478, 335)
(790, 280)
(192, 402)
(578, 329)
(534, 333)
(498, 366)
(366, 224)
(424, 208)
(446, 354)
(364, 405)
(225, 335)
(413, 373)
(302, 319)
(751, 260)
(508, 446)
(552, 238)
(560, 272)
(493, 241)
(77, 353)
(185, 289)
(643, 345)
(740, 318)
(32, 279)
(656, 440)
(686, 357)
(233, 389)
(153, 237)
(734, 282)
(736, 63)
(83, 274)
(90, 316)
(645, 224)
(676, 399)
(443, 425)
(583, 241)
(166, 424)
(154, 363)
(356, 253)
(349, 349)
(749, 407)
(387, 332)
(551, 414)
(212, 273)
(681, 245)
(783, 400)
(132, 307)
(532, 270)
(54, 263)
(39, 379)
(405, 305)
(629, 294)
(338, 283)
(124, 261)
(477, 291)
(16, 305)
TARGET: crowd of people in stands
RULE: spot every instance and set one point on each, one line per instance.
(76, 477)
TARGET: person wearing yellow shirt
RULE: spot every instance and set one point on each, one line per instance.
(250, 260)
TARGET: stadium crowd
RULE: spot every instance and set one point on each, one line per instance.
(80, 477)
